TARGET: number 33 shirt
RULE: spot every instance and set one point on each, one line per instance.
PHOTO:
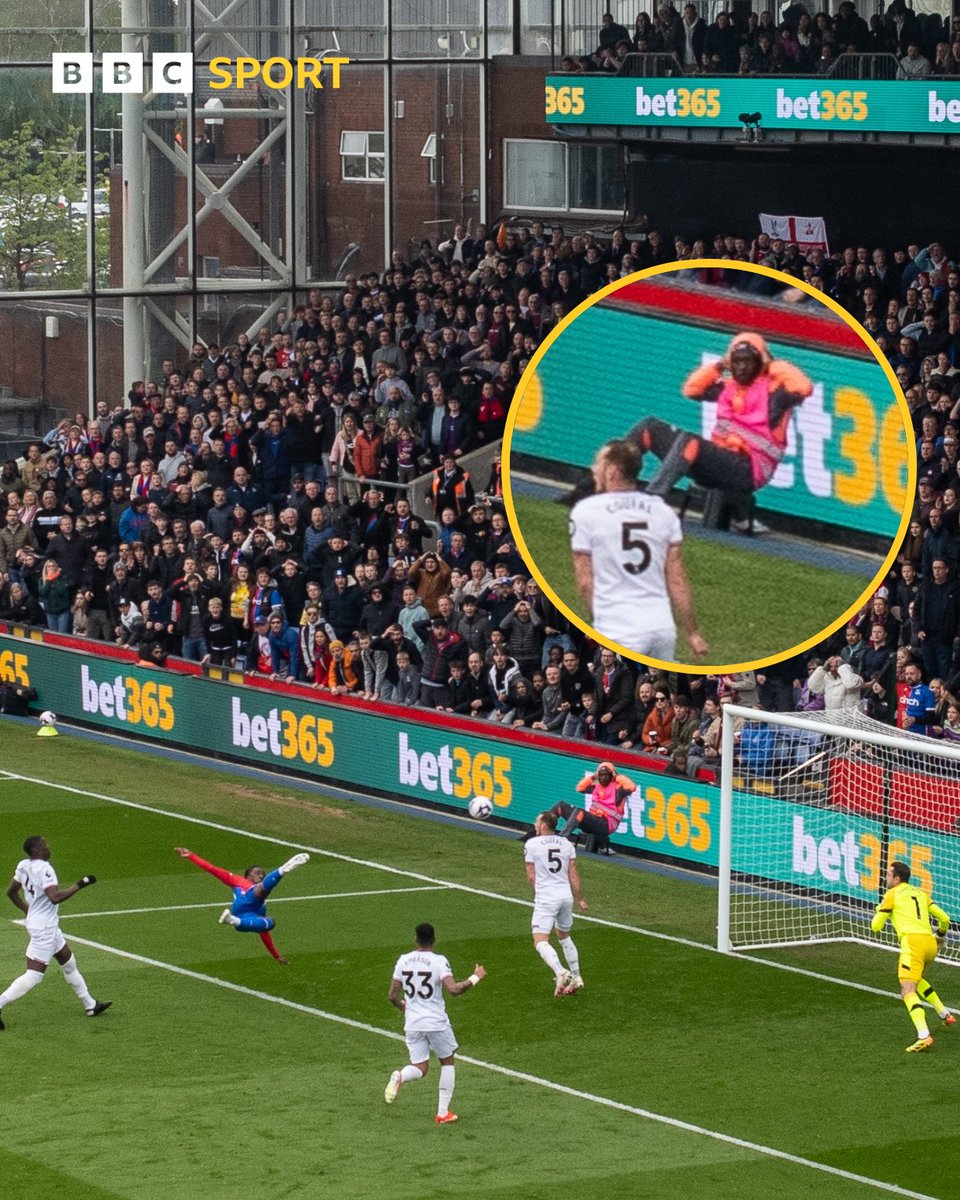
(628, 536)
(421, 974)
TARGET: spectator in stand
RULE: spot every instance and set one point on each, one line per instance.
(838, 683)
(440, 645)
(521, 626)
(613, 684)
(920, 703)
(939, 619)
(342, 678)
(658, 727)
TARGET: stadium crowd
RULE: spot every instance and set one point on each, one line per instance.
(252, 506)
(799, 42)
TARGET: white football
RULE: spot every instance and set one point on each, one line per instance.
(480, 808)
(48, 718)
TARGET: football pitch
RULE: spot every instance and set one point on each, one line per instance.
(750, 603)
(676, 1073)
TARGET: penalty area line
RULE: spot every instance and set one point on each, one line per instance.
(521, 1076)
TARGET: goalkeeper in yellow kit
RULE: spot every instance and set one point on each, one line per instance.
(910, 910)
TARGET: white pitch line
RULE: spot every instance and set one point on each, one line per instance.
(522, 1076)
(460, 887)
(127, 912)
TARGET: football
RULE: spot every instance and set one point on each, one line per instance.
(48, 718)
(480, 808)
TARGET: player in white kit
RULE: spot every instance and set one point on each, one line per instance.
(35, 890)
(551, 863)
(419, 980)
(627, 560)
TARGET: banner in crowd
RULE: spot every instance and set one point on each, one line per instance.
(853, 106)
(809, 233)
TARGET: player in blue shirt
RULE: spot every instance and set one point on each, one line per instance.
(248, 912)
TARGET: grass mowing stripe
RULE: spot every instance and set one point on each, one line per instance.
(522, 1076)
(126, 912)
(460, 887)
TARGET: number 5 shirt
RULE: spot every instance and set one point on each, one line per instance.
(551, 856)
(628, 536)
(421, 974)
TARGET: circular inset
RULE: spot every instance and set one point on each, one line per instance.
(665, 417)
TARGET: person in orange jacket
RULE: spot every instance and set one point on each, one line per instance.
(755, 395)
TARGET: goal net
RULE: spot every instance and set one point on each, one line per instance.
(814, 807)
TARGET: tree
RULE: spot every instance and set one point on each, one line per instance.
(38, 237)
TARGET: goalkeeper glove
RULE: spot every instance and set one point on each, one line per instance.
(86, 881)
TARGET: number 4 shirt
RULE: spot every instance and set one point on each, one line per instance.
(628, 536)
(35, 875)
(421, 973)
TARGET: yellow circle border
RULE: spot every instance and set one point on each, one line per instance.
(696, 264)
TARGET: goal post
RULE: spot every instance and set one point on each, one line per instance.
(813, 808)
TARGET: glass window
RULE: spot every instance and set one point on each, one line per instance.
(535, 175)
(362, 156)
(559, 177)
(596, 177)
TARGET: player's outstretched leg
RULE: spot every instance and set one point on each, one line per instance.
(227, 918)
(291, 864)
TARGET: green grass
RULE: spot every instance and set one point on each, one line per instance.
(187, 1088)
(750, 605)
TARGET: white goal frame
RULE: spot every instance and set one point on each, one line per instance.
(861, 730)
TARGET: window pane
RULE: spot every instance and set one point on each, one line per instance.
(354, 167)
(596, 180)
(352, 143)
(375, 143)
(375, 167)
(535, 175)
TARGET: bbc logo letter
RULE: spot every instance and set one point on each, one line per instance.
(123, 73)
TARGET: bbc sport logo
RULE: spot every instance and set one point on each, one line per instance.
(125, 72)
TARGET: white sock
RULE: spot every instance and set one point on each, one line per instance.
(411, 1073)
(571, 954)
(71, 973)
(20, 986)
(448, 1079)
(550, 957)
